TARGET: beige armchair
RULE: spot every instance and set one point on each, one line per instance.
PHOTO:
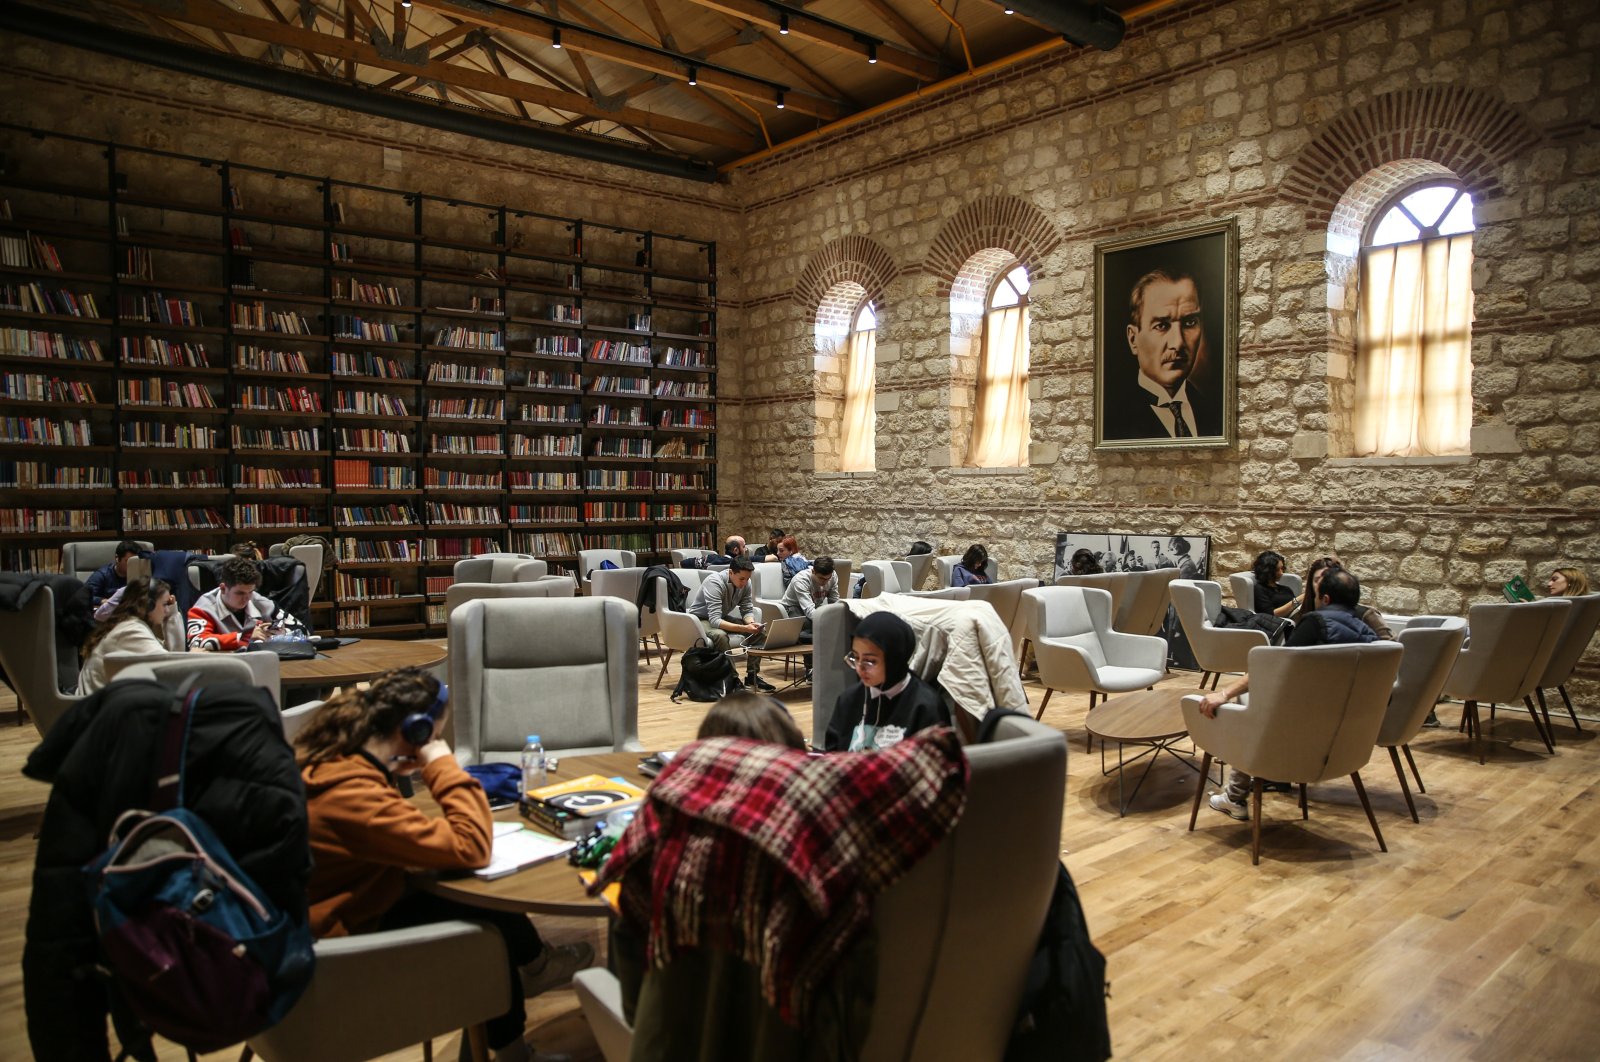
(458, 594)
(883, 577)
(309, 554)
(1144, 603)
(365, 1001)
(1006, 599)
(950, 995)
(1216, 649)
(590, 559)
(498, 568)
(28, 654)
(80, 559)
(766, 590)
(678, 631)
(565, 669)
(1313, 714)
(1431, 650)
(258, 669)
(1243, 585)
(1576, 633)
(944, 569)
(1511, 648)
(921, 565)
(1078, 650)
(681, 555)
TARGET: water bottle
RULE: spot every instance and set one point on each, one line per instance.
(533, 772)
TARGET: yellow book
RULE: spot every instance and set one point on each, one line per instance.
(589, 796)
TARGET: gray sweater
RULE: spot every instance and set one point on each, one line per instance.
(804, 596)
(717, 599)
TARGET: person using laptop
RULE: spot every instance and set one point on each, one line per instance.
(726, 609)
(809, 590)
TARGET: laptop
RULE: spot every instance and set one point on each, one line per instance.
(784, 633)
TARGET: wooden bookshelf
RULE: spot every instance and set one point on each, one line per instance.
(199, 351)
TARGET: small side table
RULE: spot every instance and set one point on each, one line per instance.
(1149, 717)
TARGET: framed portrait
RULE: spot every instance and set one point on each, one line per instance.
(1166, 338)
(1190, 554)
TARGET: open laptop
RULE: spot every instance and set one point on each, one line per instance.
(783, 633)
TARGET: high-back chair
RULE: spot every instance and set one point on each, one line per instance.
(295, 719)
(495, 567)
(921, 565)
(1216, 649)
(1431, 650)
(620, 583)
(589, 561)
(883, 577)
(944, 568)
(308, 553)
(1243, 586)
(363, 1001)
(1582, 620)
(28, 654)
(1314, 714)
(766, 590)
(565, 669)
(80, 559)
(1144, 603)
(457, 594)
(1079, 651)
(957, 932)
(171, 669)
(1006, 600)
(681, 555)
(944, 593)
(1510, 649)
(678, 631)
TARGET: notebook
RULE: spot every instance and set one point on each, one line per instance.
(516, 848)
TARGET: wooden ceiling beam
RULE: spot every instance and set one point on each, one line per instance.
(460, 29)
(801, 70)
(215, 16)
(903, 26)
(310, 57)
(663, 28)
(640, 57)
(830, 35)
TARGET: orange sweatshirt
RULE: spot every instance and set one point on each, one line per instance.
(364, 836)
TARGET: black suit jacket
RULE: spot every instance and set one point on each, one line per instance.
(1138, 419)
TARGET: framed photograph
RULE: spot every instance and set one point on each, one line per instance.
(1166, 337)
(1190, 554)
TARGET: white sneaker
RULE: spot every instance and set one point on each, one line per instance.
(554, 969)
(1240, 811)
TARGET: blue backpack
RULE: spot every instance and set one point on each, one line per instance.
(197, 950)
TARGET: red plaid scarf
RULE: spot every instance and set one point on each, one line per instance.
(763, 851)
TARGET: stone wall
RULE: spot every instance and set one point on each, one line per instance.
(1266, 111)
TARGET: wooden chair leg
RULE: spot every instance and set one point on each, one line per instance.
(1562, 689)
(1040, 713)
(1400, 773)
(1255, 821)
(1200, 788)
(1022, 657)
(1216, 679)
(427, 1050)
(1544, 709)
(1407, 750)
(245, 1054)
(1474, 726)
(1361, 791)
(478, 1042)
(1550, 746)
(664, 662)
(1305, 805)
(1204, 677)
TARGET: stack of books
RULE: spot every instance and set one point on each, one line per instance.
(572, 809)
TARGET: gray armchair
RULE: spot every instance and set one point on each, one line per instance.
(28, 654)
(921, 565)
(309, 554)
(1582, 620)
(567, 670)
(458, 594)
(1078, 650)
(254, 669)
(591, 559)
(883, 577)
(1431, 649)
(1006, 600)
(498, 567)
(681, 555)
(944, 569)
(953, 994)
(1243, 585)
(1144, 604)
(1216, 649)
(80, 559)
(1511, 648)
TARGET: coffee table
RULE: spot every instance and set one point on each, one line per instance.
(787, 653)
(550, 888)
(1148, 717)
(360, 661)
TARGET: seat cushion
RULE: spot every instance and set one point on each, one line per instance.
(1114, 679)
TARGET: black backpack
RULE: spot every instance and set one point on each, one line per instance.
(708, 674)
(1063, 1013)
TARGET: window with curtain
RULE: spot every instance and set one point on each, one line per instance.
(1000, 423)
(1414, 333)
(859, 432)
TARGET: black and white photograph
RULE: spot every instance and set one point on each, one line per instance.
(1091, 554)
(1166, 331)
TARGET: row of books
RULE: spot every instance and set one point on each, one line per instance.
(44, 521)
(261, 359)
(626, 353)
(635, 448)
(558, 346)
(374, 441)
(371, 403)
(461, 515)
(367, 363)
(169, 479)
(171, 519)
(378, 515)
(33, 387)
(347, 587)
(158, 392)
(621, 385)
(42, 559)
(288, 399)
(148, 350)
(29, 252)
(34, 297)
(349, 326)
(689, 418)
(48, 475)
(682, 389)
(546, 446)
(466, 445)
(353, 472)
(159, 435)
(353, 290)
(277, 438)
(454, 480)
(256, 316)
(545, 514)
(155, 307)
(464, 338)
(32, 343)
(45, 431)
(614, 510)
(253, 476)
(467, 408)
(544, 480)
(449, 372)
(270, 515)
(608, 415)
(550, 413)
(680, 511)
(363, 550)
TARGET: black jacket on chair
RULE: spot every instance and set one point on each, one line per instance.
(100, 760)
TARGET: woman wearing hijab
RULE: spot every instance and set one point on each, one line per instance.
(887, 701)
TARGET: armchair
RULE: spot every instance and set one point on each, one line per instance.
(883, 577)
(28, 655)
(1006, 599)
(1510, 650)
(495, 567)
(310, 554)
(581, 655)
(921, 565)
(80, 559)
(1431, 650)
(943, 567)
(1313, 715)
(1243, 585)
(1582, 619)
(1078, 650)
(1216, 649)
(679, 631)
(766, 590)
(681, 555)
(591, 559)
(458, 594)
(253, 669)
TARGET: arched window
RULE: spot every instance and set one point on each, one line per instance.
(1000, 424)
(858, 434)
(1414, 345)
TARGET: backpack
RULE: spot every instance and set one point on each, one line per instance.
(1063, 1012)
(195, 948)
(708, 674)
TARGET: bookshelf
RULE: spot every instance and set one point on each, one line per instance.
(195, 351)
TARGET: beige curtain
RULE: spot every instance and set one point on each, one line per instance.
(1000, 431)
(859, 434)
(1414, 359)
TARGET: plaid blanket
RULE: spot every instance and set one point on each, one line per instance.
(774, 856)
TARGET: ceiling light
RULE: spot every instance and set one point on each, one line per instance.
(555, 37)
(693, 72)
(405, 3)
(872, 52)
(783, 22)
(780, 101)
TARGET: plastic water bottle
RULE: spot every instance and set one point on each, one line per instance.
(533, 772)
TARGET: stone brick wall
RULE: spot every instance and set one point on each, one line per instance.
(1296, 118)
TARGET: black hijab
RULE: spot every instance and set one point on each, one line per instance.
(895, 637)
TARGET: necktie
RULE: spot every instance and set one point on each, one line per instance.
(1180, 430)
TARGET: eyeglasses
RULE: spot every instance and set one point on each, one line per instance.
(854, 662)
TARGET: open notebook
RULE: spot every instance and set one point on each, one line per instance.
(516, 848)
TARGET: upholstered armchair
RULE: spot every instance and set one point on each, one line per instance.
(1431, 650)
(1216, 649)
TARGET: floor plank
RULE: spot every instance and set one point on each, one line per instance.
(1477, 936)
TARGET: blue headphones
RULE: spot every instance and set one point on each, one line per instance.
(417, 728)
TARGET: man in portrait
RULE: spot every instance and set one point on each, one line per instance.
(1167, 340)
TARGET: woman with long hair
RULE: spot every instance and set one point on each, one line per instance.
(748, 714)
(134, 626)
(972, 568)
(1271, 596)
(366, 836)
(1566, 582)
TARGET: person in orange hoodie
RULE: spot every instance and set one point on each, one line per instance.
(365, 835)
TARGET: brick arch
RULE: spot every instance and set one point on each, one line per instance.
(1004, 221)
(1474, 134)
(858, 259)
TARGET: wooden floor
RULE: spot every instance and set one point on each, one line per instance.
(1477, 936)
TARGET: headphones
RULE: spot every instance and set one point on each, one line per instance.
(417, 728)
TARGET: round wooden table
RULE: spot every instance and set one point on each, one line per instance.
(550, 888)
(1148, 717)
(360, 661)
